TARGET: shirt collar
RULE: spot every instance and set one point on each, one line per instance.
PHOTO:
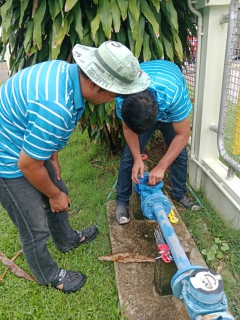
(77, 92)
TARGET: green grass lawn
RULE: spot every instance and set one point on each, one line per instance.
(89, 183)
(90, 173)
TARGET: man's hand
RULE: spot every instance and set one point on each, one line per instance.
(35, 172)
(156, 175)
(182, 130)
(138, 169)
(60, 203)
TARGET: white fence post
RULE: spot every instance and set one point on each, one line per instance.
(205, 170)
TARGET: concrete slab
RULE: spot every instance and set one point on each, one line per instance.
(138, 297)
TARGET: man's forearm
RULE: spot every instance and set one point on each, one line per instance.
(37, 175)
(175, 148)
(132, 141)
(41, 181)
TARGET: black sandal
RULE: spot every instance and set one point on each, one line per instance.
(87, 234)
(72, 281)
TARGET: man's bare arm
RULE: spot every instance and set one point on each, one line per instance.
(35, 172)
(182, 130)
(133, 143)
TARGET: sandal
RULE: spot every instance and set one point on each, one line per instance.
(189, 204)
(122, 214)
(69, 281)
(83, 236)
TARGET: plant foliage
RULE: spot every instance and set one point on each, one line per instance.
(41, 30)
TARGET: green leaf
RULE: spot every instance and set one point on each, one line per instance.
(106, 17)
(34, 60)
(140, 36)
(28, 36)
(78, 21)
(32, 50)
(168, 47)
(146, 51)
(116, 15)
(4, 8)
(130, 40)
(61, 3)
(101, 112)
(210, 256)
(156, 4)
(37, 19)
(220, 255)
(147, 12)
(108, 108)
(69, 5)
(170, 13)
(87, 38)
(134, 8)
(108, 119)
(54, 8)
(133, 26)
(63, 31)
(93, 118)
(121, 36)
(225, 246)
(213, 249)
(6, 14)
(217, 240)
(95, 25)
(23, 6)
(178, 47)
(101, 35)
(91, 106)
(204, 252)
(90, 13)
(57, 24)
(157, 43)
(123, 6)
(20, 53)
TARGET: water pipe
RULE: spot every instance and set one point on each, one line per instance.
(200, 289)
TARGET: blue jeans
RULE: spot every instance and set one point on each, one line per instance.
(178, 169)
(30, 211)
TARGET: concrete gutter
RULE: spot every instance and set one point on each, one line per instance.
(138, 297)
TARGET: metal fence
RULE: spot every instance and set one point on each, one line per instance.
(229, 118)
(189, 69)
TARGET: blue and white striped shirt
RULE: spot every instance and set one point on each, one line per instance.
(169, 88)
(39, 108)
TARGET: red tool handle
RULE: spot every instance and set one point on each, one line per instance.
(144, 157)
(165, 254)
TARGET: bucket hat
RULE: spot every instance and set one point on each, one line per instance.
(112, 66)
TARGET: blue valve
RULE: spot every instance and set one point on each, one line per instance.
(200, 289)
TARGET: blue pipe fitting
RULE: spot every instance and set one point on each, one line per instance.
(203, 294)
(200, 289)
(179, 256)
(150, 196)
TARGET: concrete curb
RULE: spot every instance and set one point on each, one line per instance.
(137, 295)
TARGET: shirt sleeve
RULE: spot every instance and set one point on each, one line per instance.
(119, 102)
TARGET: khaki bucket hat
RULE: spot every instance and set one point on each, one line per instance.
(112, 66)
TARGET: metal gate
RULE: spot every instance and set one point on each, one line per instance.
(229, 117)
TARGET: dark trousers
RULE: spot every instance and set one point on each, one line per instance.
(29, 210)
(178, 169)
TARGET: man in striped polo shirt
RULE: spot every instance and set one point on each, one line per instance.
(39, 108)
(164, 106)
